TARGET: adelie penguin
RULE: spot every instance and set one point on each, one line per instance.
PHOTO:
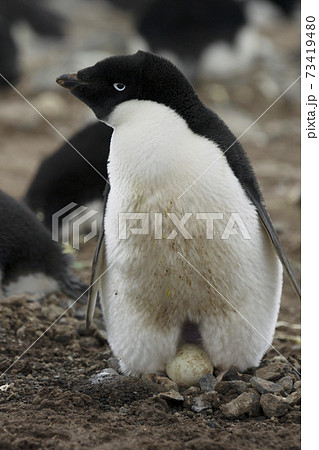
(30, 262)
(175, 160)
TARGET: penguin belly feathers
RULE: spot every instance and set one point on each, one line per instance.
(187, 238)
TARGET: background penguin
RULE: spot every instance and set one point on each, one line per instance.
(164, 139)
(30, 262)
(205, 38)
(40, 18)
(66, 177)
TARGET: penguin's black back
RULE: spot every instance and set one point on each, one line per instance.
(65, 177)
(187, 27)
(26, 247)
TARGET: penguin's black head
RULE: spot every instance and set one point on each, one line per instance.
(142, 76)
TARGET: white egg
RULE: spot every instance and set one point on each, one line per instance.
(190, 363)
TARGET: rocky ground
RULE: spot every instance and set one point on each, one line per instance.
(58, 394)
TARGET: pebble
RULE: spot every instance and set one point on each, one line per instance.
(297, 385)
(21, 332)
(193, 390)
(231, 375)
(205, 401)
(265, 387)
(241, 405)
(208, 382)
(171, 396)
(104, 375)
(236, 386)
(294, 398)
(166, 383)
(273, 372)
(113, 363)
(255, 409)
(287, 384)
(273, 405)
(200, 403)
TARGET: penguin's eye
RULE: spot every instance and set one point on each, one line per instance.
(119, 86)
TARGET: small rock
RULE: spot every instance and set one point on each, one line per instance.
(113, 363)
(167, 383)
(193, 390)
(200, 403)
(104, 375)
(230, 375)
(21, 332)
(205, 401)
(208, 382)
(273, 371)
(297, 385)
(172, 396)
(237, 407)
(286, 383)
(265, 387)
(255, 409)
(294, 398)
(245, 377)
(236, 386)
(273, 405)
(150, 377)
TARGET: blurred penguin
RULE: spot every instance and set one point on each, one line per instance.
(30, 261)
(41, 19)
(205, 38)
(65, 177)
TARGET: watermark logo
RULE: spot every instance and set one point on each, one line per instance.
(69, 221)
(140, 223)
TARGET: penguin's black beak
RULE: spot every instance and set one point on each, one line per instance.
(69, 81)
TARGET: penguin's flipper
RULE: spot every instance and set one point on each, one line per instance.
(98, 266)
(98, 269)
(273, 236)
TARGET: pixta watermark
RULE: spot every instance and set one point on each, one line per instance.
(153, 223)
(72, 221)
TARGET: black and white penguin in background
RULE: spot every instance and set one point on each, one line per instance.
(39, 17)
(67, 177)
(30, 261)
(207, 39)
(175, 160)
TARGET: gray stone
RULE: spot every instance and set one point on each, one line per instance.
(113, 363)
(273, 405)
(255, 409)
(236, 386)
(241, 405)
(231, 375)
(193, 390)
(273, 372)
(286, 383)
(208, 382)
(172, 396)
(200, 403)
(265, 387)
(294, 398)
(167, 383)
(297, 385)
(104, 375)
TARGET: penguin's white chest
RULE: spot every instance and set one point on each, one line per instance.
(201, 257)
